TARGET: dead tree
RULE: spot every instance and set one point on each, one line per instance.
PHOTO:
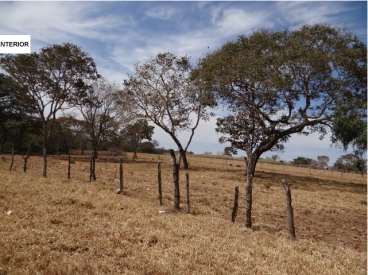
(176, 179)
(187, 189)
(12, 159)
(69, 161)
(236, 204)
(121, 177)
(159, 181)
(290, 211)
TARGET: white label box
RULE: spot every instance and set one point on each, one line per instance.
(15, 44)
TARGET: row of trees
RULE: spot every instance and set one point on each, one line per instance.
(269, 86)
(348, 162)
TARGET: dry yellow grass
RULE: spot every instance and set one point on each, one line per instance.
(58, 226)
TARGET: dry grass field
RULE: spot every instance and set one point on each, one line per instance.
(56, 226)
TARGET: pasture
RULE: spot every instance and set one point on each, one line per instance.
(58, 226)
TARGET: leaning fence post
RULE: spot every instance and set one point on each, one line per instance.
(159, 181)
(236, 204)
(121, 177)
(69, 160)
(12, 159)
(290, 211)
(187, 189)
(176, 180)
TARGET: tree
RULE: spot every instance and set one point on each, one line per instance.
(275, 157)
(50, 78)
(350, 162)
(303, 161)
(136, 132)
(323, 162)
(275, 84)
(96, 104)
(163, 93)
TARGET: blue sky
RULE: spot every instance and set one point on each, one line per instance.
(120, 34)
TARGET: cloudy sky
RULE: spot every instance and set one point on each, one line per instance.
(120, 34)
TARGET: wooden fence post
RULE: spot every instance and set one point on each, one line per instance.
(69, 160)
(290, 211)
(94, 167)
(12, 159)
(121, 177)
(187, 189)
(159, 181)
(236, 204)
(176, 179)
(25, 159)
(90, 169)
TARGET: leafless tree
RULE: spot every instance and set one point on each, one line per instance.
(164, 93)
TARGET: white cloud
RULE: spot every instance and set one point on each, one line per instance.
(236, 21)
(162, 13)
(298, 14)
(56, 21)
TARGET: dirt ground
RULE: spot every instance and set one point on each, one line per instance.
(61, 226)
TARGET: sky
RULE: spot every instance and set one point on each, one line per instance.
(119, 35)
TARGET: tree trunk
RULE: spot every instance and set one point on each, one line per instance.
(176, 180)
(236, 204)
(135, 153)
(183, 156)
(44, 149)
(290, 210)
(250, 163)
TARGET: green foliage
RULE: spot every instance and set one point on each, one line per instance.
(274, 84)
(303, 161)
(350, 162)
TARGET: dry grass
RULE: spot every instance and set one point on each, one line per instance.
(58, 226)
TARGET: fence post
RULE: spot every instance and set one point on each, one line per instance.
(12, 159)
(290, 211)
(236, 204)
(187, 189)
(69, 160)
(159, 181)
(121, 177)
(90, 169)
(94, 167)
(25, 163)
(176, 179)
